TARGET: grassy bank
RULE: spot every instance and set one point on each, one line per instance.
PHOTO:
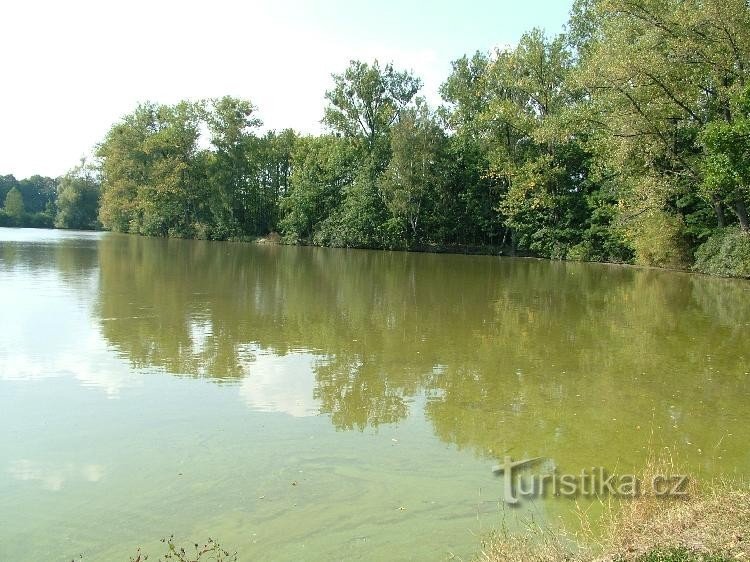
(710, 524)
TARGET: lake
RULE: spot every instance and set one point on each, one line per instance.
(328, 404)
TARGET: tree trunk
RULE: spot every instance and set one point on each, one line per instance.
(505, 237)
(741, 211)
(719, 210)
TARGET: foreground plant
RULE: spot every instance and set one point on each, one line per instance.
(681, 555)
(211, 550)
(710, 524)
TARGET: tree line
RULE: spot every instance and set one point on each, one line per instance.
(71, 201)
(625, 138)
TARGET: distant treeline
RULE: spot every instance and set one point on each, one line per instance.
(71, 201)
(626, 138)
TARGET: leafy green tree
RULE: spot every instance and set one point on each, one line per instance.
(473, 217)
(515, 108)
(38, 193)
(657, 72)
(359, 221)
(366, 100)
(274, 157)
(363, 105)
(152, 180)
(38, 199)
(78, 199)
(125, 168)
(321, 167)
(540, 162)
(623, 139)
(415, 171)
(234, 199)
(6, 184)
(172, 198)
(14, 206)
(726, 165)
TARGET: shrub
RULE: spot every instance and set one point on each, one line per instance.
(39, 220)
(659, 240)
(726, 253)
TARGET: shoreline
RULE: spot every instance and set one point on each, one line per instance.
(466, 250)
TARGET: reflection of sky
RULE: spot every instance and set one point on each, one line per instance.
(53, 477)
(281, 384)
(49, 330)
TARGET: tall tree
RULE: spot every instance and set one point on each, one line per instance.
(475, 195)
(151, 183)
(78, 199)
(726, 165)
(415, 171)
(6, 184)
(366, 100)
(274, 162)
(321, 168)
(38, 194)
(514, 107)
(14, 206)
(657, 72)
(234, 201)
(363, 105)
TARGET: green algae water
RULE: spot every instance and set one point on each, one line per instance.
(326, 404)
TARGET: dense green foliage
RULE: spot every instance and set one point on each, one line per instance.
(726, 252)
(158, 182)
(626, 138)
(41, 202)
(14, 206)
(78, 199)
(29, 202)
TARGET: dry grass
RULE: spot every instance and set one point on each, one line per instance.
(712, 520)
(535, 544)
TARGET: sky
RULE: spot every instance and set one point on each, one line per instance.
(72, 69)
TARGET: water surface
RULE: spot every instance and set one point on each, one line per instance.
(323, 404)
